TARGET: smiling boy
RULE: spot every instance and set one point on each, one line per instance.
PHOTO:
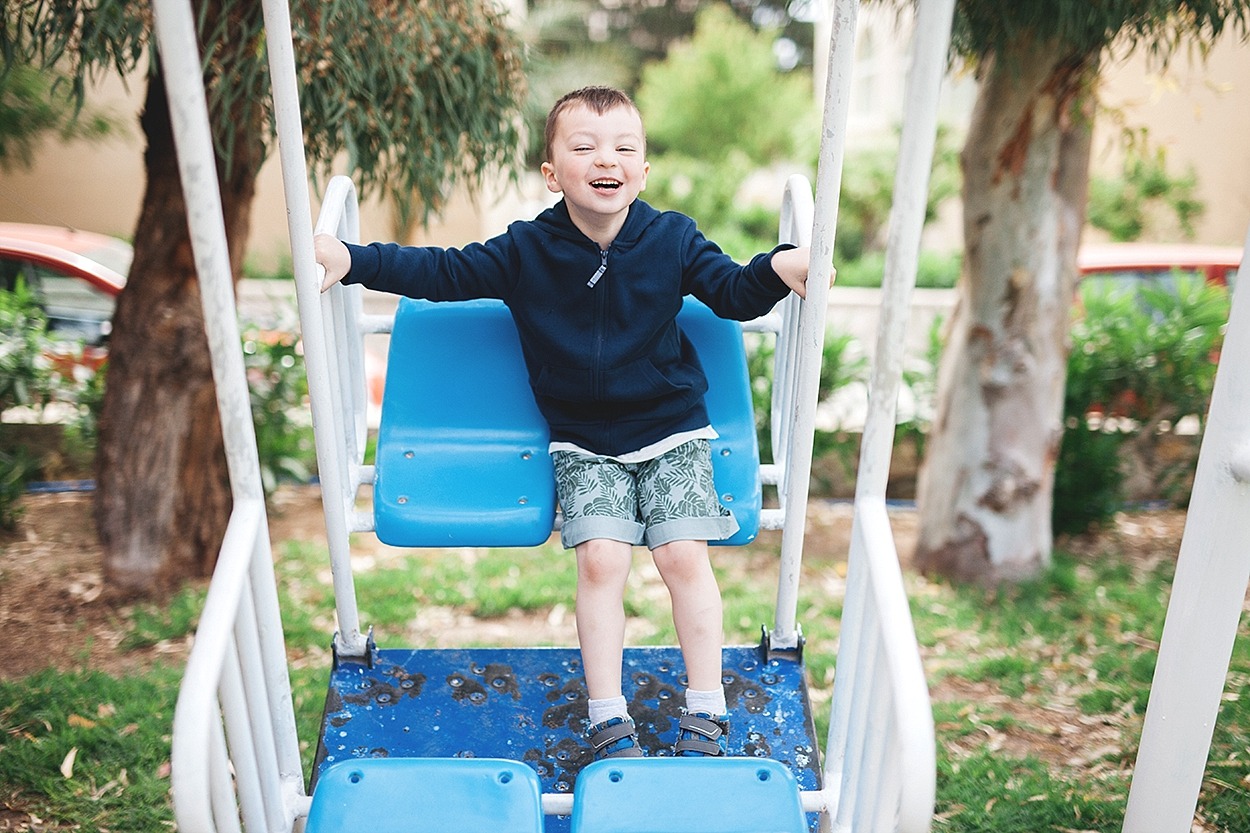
(594, 285)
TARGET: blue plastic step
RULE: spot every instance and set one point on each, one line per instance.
(687, 795)
(529, 705)
(426, 795)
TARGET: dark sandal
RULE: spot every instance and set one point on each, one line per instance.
(615, 738)
(702, 735)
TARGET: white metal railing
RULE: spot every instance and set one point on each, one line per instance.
(784, 321)
(337, 459)
(880, 760)
(808, 338)
(1206, 604)
(235, 755)
(334, 323)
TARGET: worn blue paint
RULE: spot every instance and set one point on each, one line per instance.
(529, 705)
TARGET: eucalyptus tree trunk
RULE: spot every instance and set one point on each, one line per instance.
(984, 492)
(163, 490)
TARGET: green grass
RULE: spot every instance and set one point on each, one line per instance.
(117, 731)
(1086, 633)
(1039, 689)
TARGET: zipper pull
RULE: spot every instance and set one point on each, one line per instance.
(603, 267)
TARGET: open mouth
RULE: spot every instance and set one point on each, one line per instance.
(605, 185)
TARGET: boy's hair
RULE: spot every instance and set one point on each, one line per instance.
(598, 99)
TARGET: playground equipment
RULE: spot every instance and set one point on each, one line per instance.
(235, 752)
(236, 761)
(1208, 593)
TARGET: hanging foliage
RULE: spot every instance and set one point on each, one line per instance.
(419, 95)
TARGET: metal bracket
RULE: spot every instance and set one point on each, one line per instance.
(367, 659)
(769, 651)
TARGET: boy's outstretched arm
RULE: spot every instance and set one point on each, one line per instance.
(330, 252)
(791, 266)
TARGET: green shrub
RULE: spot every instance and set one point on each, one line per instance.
(17, 467)
(1088, 483)
(1124, 205)
(25, 379)
(277, 385)
(1140, 361)
(278, 388)
(701, 105)
(25, 373)
(868, 192)
(86, 391)
(841, 365)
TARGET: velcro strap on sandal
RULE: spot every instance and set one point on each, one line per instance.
(710, 729)
(609, 735)
(706, 748)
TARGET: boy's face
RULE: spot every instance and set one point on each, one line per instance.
(598, 161)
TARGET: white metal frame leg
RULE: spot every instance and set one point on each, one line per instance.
(1208, 591)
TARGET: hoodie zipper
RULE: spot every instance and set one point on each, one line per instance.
(603, 267)
(600, 318)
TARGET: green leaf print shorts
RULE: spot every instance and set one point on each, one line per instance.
(655, 502)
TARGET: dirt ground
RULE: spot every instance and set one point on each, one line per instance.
(52, 594)
(55, 610)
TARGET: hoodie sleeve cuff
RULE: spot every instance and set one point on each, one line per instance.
(365, 263)
(762, 267)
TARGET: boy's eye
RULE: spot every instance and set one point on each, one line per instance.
(581, 148)
(625, 149)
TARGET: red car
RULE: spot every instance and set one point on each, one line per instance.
(75, 277)
(1127, 265)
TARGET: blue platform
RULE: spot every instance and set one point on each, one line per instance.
(529, 705)
(462, 449)
(462, 461)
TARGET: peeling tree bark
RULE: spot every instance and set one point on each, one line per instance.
(984, 491)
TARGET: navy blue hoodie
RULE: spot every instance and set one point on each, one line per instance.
(610, 369)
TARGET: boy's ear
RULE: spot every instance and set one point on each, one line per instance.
(646, 169)
(549, 174)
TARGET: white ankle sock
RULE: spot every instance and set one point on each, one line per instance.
(708, 702)
(606, 709)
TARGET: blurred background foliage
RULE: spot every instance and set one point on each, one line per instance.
(725, 88)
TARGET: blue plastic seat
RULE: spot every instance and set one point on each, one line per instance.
(462, 449)
(687, 795)
(416, 795)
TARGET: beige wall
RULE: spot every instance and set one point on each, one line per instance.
(95, 186)
(98, 186)
(1196, 111)
(1199, 113)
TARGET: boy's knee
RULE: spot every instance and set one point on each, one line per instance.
(681, 560)
(603, 561)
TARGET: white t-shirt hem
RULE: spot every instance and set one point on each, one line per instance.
(648, 452)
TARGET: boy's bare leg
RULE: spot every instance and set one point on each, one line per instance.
(697, 611)
(602, 570)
